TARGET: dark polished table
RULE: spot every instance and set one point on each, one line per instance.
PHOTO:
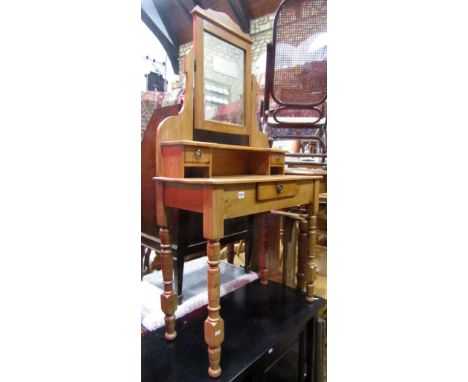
(267, 324)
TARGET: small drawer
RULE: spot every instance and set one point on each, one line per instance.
(196, 155)
(276, 190)
(276, 158)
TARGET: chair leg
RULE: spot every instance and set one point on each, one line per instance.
(145, 265)
(143, 250)
(230, 253)
(148, 267)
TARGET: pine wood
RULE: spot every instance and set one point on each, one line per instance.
(312, 172)
(311, 265)
(276, 190)
(235, 179)
(223, 27)
(179, 127)
(168, 297)
(214, 324)
(256, 138)
(221, 20)
(224, 147)
(302, 255)
(220, 181)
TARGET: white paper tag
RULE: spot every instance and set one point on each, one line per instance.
(241, 195)
(217, 333)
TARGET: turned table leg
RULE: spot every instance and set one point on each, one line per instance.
(302, 255)
(168, 297)
(214, 324)
(311, 269)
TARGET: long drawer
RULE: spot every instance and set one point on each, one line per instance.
(276, 190)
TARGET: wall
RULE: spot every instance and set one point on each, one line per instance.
(261, 32)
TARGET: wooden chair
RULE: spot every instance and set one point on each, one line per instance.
(294, 107)
(294, 104)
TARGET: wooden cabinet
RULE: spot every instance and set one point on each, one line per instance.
(181, 157)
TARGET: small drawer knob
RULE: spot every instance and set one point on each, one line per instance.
(277, 157)
(198, 154)
(279, 188)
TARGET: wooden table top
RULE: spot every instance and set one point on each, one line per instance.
(220, 146)
(304, 171)
(237, 179)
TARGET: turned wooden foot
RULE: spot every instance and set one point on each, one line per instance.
(168, 297)
(214, 324)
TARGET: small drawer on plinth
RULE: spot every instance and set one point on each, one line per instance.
(196, 155)
(276, 158)
(276, 190)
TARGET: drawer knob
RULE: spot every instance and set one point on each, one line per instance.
(279, 188)
(198, 154)
(278, 157)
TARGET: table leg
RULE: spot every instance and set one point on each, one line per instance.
(214, 324)
(302, 255)
(312, 239)
(143, 258)
(168, 297)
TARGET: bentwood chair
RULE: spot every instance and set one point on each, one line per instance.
(294, 104)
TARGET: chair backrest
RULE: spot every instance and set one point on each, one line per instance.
(296, 72)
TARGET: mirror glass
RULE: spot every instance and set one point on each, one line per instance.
(223, 81)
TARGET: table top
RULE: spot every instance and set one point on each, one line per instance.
(236, 179)
(221, 146)
(256, 317)
(304, 171)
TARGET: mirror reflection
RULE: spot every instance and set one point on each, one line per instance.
(224, 81)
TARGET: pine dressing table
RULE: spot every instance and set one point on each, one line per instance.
(219, 180)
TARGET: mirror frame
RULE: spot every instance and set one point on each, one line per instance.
(222, 27)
